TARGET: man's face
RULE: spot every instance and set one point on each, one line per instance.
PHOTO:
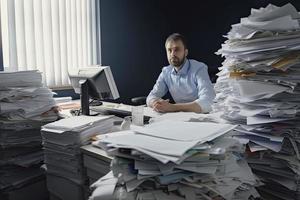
(176, 53)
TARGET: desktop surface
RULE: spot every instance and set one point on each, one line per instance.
(122, 110)
(107, 108)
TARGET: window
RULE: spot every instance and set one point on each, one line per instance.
(51, 36)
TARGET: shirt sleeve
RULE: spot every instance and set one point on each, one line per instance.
(159, 89)
(206, 92)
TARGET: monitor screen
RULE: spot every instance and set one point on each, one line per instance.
(95, 82)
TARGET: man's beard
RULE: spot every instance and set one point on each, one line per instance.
(176, 62)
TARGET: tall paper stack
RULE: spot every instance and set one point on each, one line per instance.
(62, 141)
(25, 105)
(258, 89)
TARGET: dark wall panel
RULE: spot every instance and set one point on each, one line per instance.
(1, 51)
(133, 33)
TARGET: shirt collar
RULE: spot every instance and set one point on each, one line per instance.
(183, 70)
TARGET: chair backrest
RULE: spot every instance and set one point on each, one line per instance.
(139, 100)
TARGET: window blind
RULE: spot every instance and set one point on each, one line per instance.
(51, 36)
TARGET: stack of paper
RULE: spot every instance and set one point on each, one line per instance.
(21, 155)
(175, 160)
(258, 88)
(25, 106)
(62, 141)
(190, 117)
(17, 177)
(23, 96)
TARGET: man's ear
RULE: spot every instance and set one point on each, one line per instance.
(186, 52)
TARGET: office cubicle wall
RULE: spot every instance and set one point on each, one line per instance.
(1, 52)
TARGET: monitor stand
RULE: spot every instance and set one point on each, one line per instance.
(96, 103)
(84, 97)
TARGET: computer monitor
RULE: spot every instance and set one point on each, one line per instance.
(95, 82)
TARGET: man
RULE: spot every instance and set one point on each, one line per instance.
(187, 81)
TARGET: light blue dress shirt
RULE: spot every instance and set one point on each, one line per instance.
(190, 84)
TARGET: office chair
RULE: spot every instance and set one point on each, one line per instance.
(142, 99)
(139, 100)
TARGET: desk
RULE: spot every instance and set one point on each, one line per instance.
(107, 106)
(92, 163)
(96, 162)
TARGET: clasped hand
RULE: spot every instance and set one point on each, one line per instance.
(162, 105)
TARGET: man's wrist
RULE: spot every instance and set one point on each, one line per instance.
(186, 107)
(173, 107)
(151, 102)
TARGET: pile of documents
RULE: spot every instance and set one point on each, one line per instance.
(62, 141)
(23, 96)
(175, 160)
(25, 106)
(258, 89)
(21, 155)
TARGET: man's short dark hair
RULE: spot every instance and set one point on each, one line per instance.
(176, 37)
